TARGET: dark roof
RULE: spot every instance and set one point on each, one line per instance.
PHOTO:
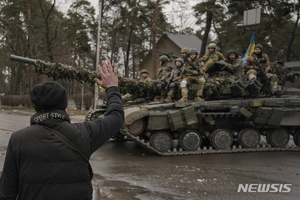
(190, 41)
(292, 64)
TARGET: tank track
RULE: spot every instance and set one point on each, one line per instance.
(95, 114)
(207, 150)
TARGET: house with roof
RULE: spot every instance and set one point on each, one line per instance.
(171, 44)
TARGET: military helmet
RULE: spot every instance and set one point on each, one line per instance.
(193, 50)
(185, 50)
(164, 58)
(232, 52)
(179, 60)
(144, 71)
(212, 46)
(258, 46)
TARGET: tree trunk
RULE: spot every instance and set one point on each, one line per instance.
(154, 39)
(133, 61)
(207, 29)
(289, 49)
(128, 51)
(48, 40)
(31, 53)
(13, 67)
(75, 46)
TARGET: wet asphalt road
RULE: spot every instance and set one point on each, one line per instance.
(124, 170)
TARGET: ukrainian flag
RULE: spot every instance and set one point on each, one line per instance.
(250, 49)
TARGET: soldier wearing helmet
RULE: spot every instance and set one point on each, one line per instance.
(184, 53)
(163, 73)
(192, 76)
(145, 76)
(234, 62)
(177, 77)
(211, 57)
(252, 69)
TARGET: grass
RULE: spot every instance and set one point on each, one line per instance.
(31, 109)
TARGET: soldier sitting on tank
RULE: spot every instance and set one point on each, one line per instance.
(176, 79)
(235, 63)
(252, 69)
(163, 73)
(145, 76)
(191, 76)
(207, 61)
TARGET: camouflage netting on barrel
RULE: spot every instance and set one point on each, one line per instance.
(136, 88)
(60, 71)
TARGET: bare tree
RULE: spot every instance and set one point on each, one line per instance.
(47, 27)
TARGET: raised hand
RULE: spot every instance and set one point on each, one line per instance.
(109, 78)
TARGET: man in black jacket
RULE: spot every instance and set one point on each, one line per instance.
(39, 164)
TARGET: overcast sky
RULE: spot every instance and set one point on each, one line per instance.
(180, 15)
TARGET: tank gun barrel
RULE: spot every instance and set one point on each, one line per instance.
(60, 71)
(22, 59)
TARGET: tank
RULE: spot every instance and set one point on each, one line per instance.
(217, 126)
(236, 116)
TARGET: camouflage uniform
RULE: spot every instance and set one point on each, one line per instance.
(177, 78)
(163, 73)
(191, 76)
(236, 65)
(251, 73)
(207, 61)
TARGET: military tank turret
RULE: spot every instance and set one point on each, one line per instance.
(238, 121)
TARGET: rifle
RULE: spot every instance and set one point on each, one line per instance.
(264, 76)
(170, 79)
(169, 56)
(196, 68)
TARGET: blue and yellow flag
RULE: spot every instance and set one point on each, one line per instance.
(250, 49)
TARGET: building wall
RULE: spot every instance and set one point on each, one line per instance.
(164, 45)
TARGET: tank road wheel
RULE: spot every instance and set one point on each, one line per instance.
(190, 140)
(278, 137)
(221, 139)
(249, 137)
(161, 141)
(297, 138)
(137, 127)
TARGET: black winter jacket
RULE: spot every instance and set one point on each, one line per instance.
(40, 166)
